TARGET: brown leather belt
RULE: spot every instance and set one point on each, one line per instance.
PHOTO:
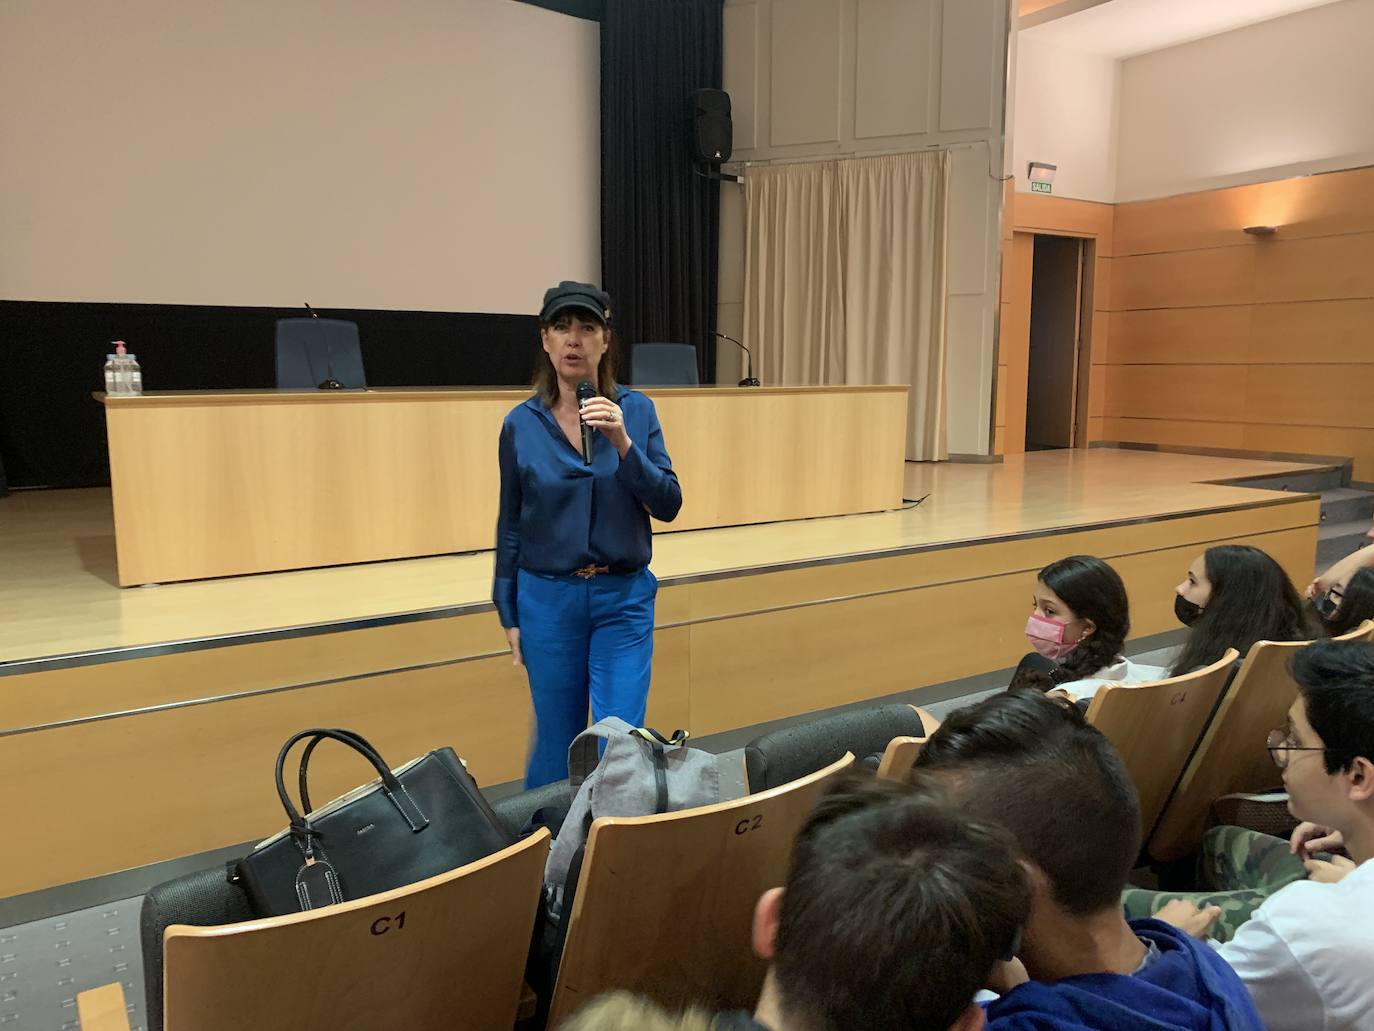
(589, 571)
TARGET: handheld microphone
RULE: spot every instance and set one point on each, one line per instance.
(749, 380)
(329, 382)
(585, 392)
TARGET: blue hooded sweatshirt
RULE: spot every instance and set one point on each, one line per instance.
(1186, 987)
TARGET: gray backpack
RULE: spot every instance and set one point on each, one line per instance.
(639, 774)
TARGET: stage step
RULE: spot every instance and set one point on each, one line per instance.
(1315, 481)
(1337, 540)
(1347, 505)
(1346, 512)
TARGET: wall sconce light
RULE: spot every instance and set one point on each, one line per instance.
(1260, 230)
(1041, 176)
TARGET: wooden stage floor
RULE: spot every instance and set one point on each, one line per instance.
(175, 699)
(59, 596)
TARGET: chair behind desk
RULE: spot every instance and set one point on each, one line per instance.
(444, 953)
(664, 365)
(1156, 726)
(664, 904)
(310, 351)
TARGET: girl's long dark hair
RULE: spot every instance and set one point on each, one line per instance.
(1357, 605)
(545, 380)
(1093, 590)
(1252, 600)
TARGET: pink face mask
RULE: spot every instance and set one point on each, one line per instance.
(1047, 637)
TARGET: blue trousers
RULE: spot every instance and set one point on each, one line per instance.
(583, 640)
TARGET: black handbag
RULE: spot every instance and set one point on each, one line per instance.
(425, 818)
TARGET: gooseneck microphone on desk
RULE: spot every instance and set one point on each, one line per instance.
(749, 379)
(329, 382)
(585, 392)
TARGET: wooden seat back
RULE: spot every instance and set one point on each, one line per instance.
(1232, 756)
(1156, 726)
(664, 904)
(448, 952)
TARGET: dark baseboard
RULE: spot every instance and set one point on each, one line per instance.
(1344, 463)
(974, 459)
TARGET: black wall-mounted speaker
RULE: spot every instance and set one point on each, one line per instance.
(712, 130)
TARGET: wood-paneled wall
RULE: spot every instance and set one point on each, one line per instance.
(1219, 339)
(1203, 336)
(1025, 215)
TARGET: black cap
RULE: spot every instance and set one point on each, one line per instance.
(568, 294)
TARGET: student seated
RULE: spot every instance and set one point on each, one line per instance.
(1237, 870)
(1308, 952)
(1232, 596)
(1346, 604)
(1079, 621)
(1033, 765)
(896, 909)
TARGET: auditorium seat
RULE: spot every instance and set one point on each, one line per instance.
(899, 757)
(664, 365)
(514, 811)
(664, 904)
(310, 351)
(201, 899)
(1156, 726)
(448, 952)
(783, 755)
(1232, 756)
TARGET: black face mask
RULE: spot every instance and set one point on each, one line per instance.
(1185, 610)
(1325, 605)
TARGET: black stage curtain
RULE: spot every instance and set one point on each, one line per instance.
(52, 434)
(591, 10)
(659, 218)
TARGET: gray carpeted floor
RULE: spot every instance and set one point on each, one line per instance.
(44, 964)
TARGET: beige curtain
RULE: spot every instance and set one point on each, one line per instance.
(845, 279)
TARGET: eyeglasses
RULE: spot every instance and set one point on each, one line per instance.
(1281, 742)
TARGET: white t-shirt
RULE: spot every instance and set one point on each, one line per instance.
(1307, 955)
(1123, 671)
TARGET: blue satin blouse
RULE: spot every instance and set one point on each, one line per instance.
(558, 514)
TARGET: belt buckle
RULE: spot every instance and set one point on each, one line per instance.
(589, 571)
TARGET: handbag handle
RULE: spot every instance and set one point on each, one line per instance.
(301, 828)
(303, 779)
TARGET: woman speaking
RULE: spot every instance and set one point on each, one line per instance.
(573, 540)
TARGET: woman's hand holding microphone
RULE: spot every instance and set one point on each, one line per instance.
(601, 413)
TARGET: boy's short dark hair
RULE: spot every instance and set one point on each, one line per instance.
(896, 908)
(1336, 680)
(1033, 765)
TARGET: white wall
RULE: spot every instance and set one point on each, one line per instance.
(435, 155)
(836, 78)
(1065, 113)
(1285, 97)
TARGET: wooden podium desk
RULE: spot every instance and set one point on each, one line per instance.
(219, 484)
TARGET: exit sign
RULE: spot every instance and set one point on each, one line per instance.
(1039, 187)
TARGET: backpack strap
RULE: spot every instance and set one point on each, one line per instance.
(678, 739)
(658, 746)
(585, 751)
